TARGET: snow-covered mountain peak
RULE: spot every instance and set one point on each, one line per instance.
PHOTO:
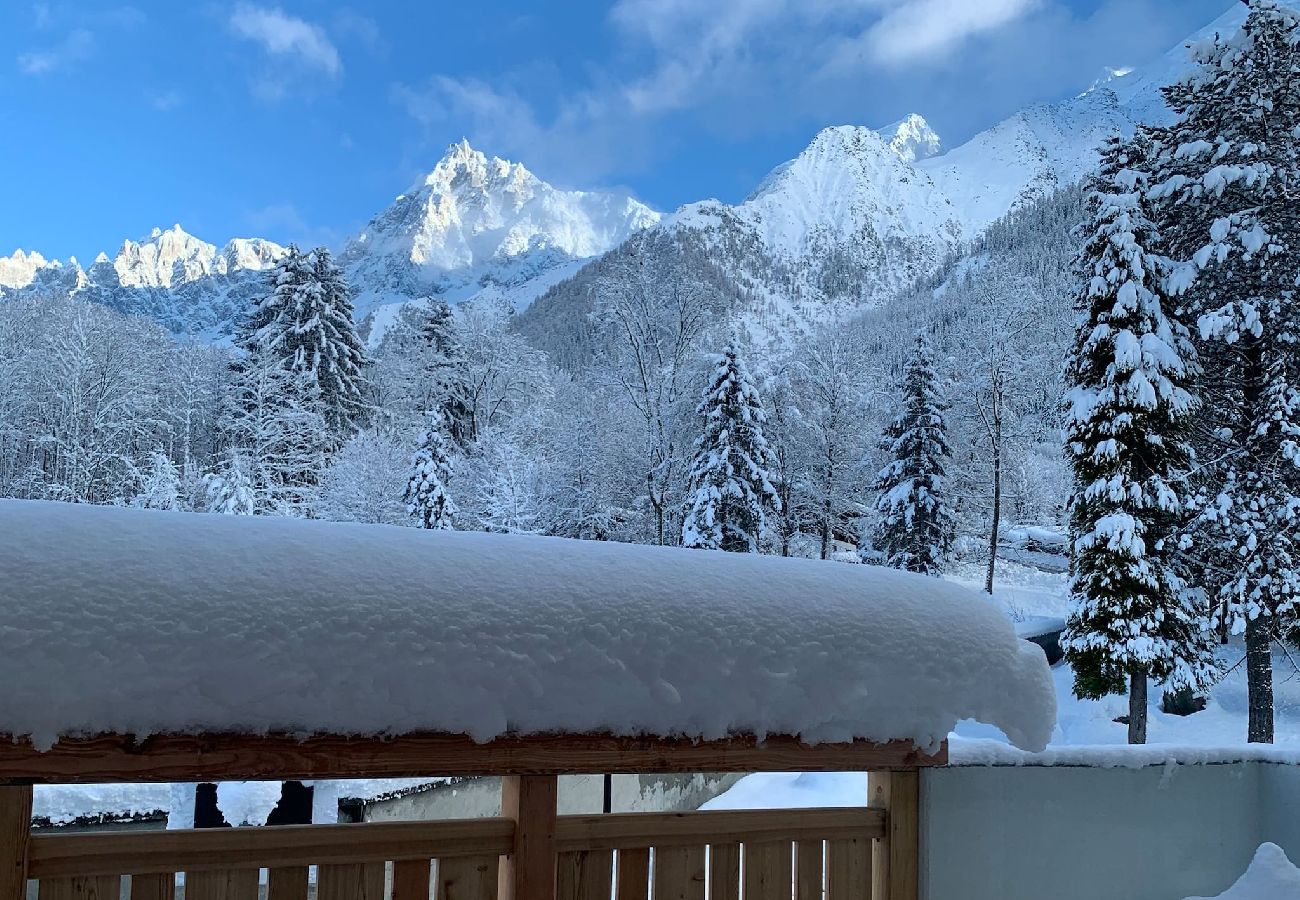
(911, 138)
(166, 257)
(475, 220)
(848, 179)
(18, 269)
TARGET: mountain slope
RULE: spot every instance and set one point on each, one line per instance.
(186, 284)
(474, 223)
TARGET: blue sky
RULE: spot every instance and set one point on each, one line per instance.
(298, 120)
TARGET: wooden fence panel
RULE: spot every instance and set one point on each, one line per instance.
(584, 875)
(94, 887)
(767, 870)
(848, 870)
(357, 881)
(222, 884)
(153, 887)
(468, 878)
(808, 870)
(286, 883)
(679, 873)
(411, 879)
(633, 874)
(724, 871)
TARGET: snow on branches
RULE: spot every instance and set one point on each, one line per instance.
(1128, 416)
(916, 525)
(730, 485)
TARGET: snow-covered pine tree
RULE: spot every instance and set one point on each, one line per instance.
(916, 525)
(444, 366)
(160, 487)
(306, 324)
(275, 423)
(1225, 186)
(730, 487)
(230, 491)
(426, 491)
(1128, 414)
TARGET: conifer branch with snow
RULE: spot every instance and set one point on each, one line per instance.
(730, 486)
(426, 490)
(916, 525)
(1128, 415)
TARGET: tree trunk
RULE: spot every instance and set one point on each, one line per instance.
(826, 529)
(1259, 681)
(1137, 707)
(997, 511)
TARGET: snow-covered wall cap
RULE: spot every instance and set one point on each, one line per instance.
(125, 621)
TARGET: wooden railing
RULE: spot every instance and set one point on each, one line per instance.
(787, 855)
(528, 853)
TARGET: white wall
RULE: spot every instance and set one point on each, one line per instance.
(475, 797)
(1077, 833)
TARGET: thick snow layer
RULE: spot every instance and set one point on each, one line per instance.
(61, 804)
(1271, 876)
(140, 621)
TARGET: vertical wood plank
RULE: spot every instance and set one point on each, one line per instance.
(286, 883)
(222, 884)
(896, 869)
(356, 881)
(411, 879)
(848, 870)
(767, 870)
(633, 875)
(15, 830)
(468, 878)
(529, 872)
(584, 875)
(154, 887)
(679, 873)
(808, 870)
(724, 872)
(95, 887)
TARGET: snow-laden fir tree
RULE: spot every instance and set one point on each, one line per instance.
(730, 485)
(444, 370)
(274, 421)
(305, 323)
(230, 491)
(1226, 183)
(160, 487)
(1128, 414)
(916, 525)
(426, 490)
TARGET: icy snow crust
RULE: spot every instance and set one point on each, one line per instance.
(140, 621)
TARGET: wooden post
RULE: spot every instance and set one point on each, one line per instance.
(897, 860)
(15, 828)
(529, 872)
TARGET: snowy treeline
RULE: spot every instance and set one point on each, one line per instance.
(93, 402)
(1184, 411)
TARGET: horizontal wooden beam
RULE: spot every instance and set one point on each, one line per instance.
(236, 757)
(630, 831)
(209, 849)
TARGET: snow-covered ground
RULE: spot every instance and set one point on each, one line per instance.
(1271, 876)
(1086, 731)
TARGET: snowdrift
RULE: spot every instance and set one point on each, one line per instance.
(144, 622)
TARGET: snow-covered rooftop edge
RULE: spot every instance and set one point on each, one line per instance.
(137, 621)
(989, 752)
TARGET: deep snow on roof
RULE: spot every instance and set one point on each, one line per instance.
(137, 621)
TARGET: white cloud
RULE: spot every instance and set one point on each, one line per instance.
(74, 48)
(287, 38)
(582, 141)
(919, 30)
